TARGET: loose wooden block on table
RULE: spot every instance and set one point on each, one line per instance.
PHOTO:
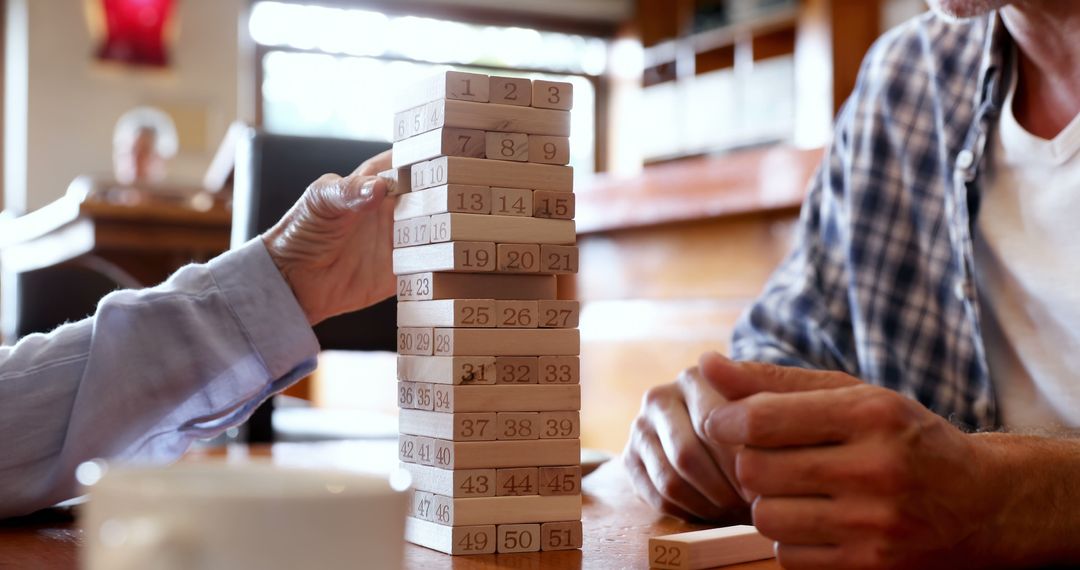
(479, 116)
(476, 539)
(552, 95)
(458, 85)
(452, 483)
(517, 481)
(475, 426)
(415, 341)
(513, 201)
(412, 232)
(559, 259)
(555, 205)
(709, 548)
(518, 538)
(559, 370)
(439, 142)
(516, 314)
(510, 90)
(494, 173)
(561, 480)
(559, 425)
(442, 199)
(507, 398)
(514, 510)
(463, 256)
(506, 146)
(517, 257)
(479, 228)
(398, 181)
(499, 454)
(558, 314)
(507, 342)
(549, 150)
(429, 286)
(563, 535)
(447, 369)
(517, 369)
(448, 313)
(517, 425)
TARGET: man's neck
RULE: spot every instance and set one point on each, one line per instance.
(1047, 33)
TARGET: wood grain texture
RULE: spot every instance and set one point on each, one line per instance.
(499, 454)
(429, 285)
(463, 256)
(439, 142)
(494, 173)
(513, 398)
(480, 116)
(501, 229)
(442, 199)
(446, 369)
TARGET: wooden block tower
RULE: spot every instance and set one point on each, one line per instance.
(487, 354)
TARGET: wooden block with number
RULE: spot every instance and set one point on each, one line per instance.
(517, 481)
(428, 286)
(452, 483)
(507, 398)
(500, 229)
(415, 341)
(510, 90)
(564, 370)
(446, 369)
(560, 480)
(479, 116)
(475, 426)
(549, 150)
(407, 449)
(709, 548)
(412, 232)
(462, 256)
(516, 314)
(457, 85)
(512, 201)
(406, 395)
(442, 199)
(517, 257)
(516, 369)
(516, 425)
(494, 173)
(517, 538)
(421, 505)
(559, 425)
(448, 313)
(533, 508)
(558, 314)
(562, 535)
(398, 181)
(506, 146)
(499, 454)
(552, 95)
(439, 142)
(559, 259)
(506, 342)
(476, 539)
(425, 450)
(556, 205)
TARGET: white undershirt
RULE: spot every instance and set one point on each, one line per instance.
(1027, 259)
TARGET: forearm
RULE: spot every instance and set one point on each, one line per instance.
(1034, 484)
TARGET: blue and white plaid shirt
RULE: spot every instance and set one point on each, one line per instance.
(881, 282)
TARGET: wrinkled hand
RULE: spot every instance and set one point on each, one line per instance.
(848, 475)
(334, 247)
(672, 465)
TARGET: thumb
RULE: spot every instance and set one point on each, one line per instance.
(737, 380)
(358, 191)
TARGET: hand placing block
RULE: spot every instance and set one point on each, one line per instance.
(428, 286)
(494, 173)
(442, 199)
(478, 116)
(440, 142)
(510, 90)
(500, 229)
(446, 369)
(446, 85)
(549, 150)
(505, 342)
(462, 256)
(709, 548)
(398, 181)
(506, 146)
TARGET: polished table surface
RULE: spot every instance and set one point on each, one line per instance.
(617, 525)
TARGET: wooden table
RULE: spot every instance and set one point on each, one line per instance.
(617, 524)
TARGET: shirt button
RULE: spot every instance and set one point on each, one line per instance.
(960, 290)
(965, 159)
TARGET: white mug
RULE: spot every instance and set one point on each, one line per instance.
(212, 516)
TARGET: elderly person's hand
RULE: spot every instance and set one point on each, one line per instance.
(334, 246)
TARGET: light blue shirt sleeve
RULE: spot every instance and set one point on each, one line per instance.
(150, 372)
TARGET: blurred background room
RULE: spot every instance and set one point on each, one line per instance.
(140, 135)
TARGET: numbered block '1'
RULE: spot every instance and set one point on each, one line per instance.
(549, 150)
(561, 535)
(518, 538)
(507, 146)
(510, 90)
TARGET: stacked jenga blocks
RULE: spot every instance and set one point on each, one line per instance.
(487, 354)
